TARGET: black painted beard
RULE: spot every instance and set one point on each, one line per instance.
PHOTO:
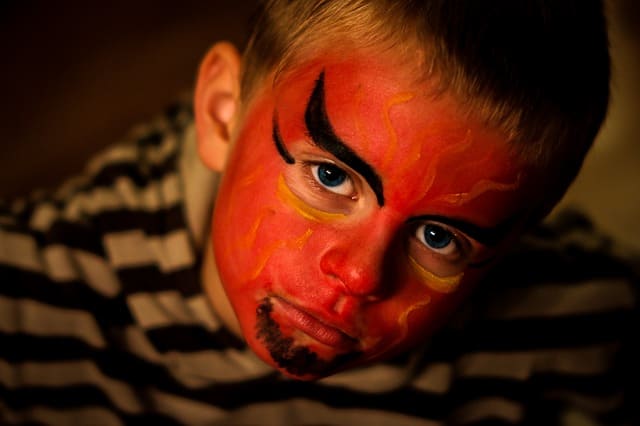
(297, 360)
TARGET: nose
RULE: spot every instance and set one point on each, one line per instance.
(360, 259)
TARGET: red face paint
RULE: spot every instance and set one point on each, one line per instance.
(355, 213)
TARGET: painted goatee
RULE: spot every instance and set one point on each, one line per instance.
(297, 360)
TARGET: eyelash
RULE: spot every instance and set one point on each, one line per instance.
(446, 261)
(454, 235)
(311, 179)
(460, 245)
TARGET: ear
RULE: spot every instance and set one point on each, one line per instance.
(216, 103)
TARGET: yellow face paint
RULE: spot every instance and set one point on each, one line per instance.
(392, 144)
(447, 151)
(404, 317)
(296, 244)
(434, 282)
(292, 244)
(287, 196)
(250, 237)
(478, 189)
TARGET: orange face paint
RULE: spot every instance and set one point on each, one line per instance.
(355, 209)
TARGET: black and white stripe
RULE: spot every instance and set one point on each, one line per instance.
(103, 321)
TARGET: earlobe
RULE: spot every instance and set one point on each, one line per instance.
(216, 103)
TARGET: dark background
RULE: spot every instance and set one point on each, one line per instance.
(76, 75)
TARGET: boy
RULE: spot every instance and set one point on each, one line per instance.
(376, 160)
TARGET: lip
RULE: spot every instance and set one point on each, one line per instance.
(315, 328)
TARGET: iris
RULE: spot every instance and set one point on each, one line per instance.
(330, 175)
(437, 237)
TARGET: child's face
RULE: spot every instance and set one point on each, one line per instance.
(355, 212)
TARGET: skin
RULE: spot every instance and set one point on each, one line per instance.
(356, 211)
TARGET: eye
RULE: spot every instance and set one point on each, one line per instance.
(437, 238)
(333, 178)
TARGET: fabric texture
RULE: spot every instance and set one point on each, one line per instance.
(103, 319)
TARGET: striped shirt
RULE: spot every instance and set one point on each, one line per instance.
(103, 319)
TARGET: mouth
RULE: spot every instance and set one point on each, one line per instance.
(313, 327)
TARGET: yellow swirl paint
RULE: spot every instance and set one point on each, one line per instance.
(403, 322)
(434, 282)
(478, 189)
(250, 237)
(403, 319)
(449, 150)
(265, 254)
(304, 209)
(392, 145)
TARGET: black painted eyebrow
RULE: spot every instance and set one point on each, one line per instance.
(487, 236)
(323, 136)
(277, 139)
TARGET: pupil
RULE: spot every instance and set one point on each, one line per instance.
(436, 237)
(330, 175)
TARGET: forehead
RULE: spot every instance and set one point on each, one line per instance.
(427, 148)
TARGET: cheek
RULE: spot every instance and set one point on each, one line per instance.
(416, 310)
(244, 203)
(252, 225)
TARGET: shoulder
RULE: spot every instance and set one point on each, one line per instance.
(132, 187)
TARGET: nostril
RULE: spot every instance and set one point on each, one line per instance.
(357, 273)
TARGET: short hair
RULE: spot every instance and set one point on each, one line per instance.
(539, 70)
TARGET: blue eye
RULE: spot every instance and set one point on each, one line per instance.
(333, 178)
(436, 238)
(330, 175)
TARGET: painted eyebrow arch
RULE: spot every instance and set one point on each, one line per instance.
(487, 236)
(324, 137)
(277, 139)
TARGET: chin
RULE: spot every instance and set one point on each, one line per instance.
(296, 357)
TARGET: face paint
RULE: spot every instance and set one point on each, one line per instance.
(392, 148)
(323, 136)
(305, 210)
(356, 211)
(295, 359)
